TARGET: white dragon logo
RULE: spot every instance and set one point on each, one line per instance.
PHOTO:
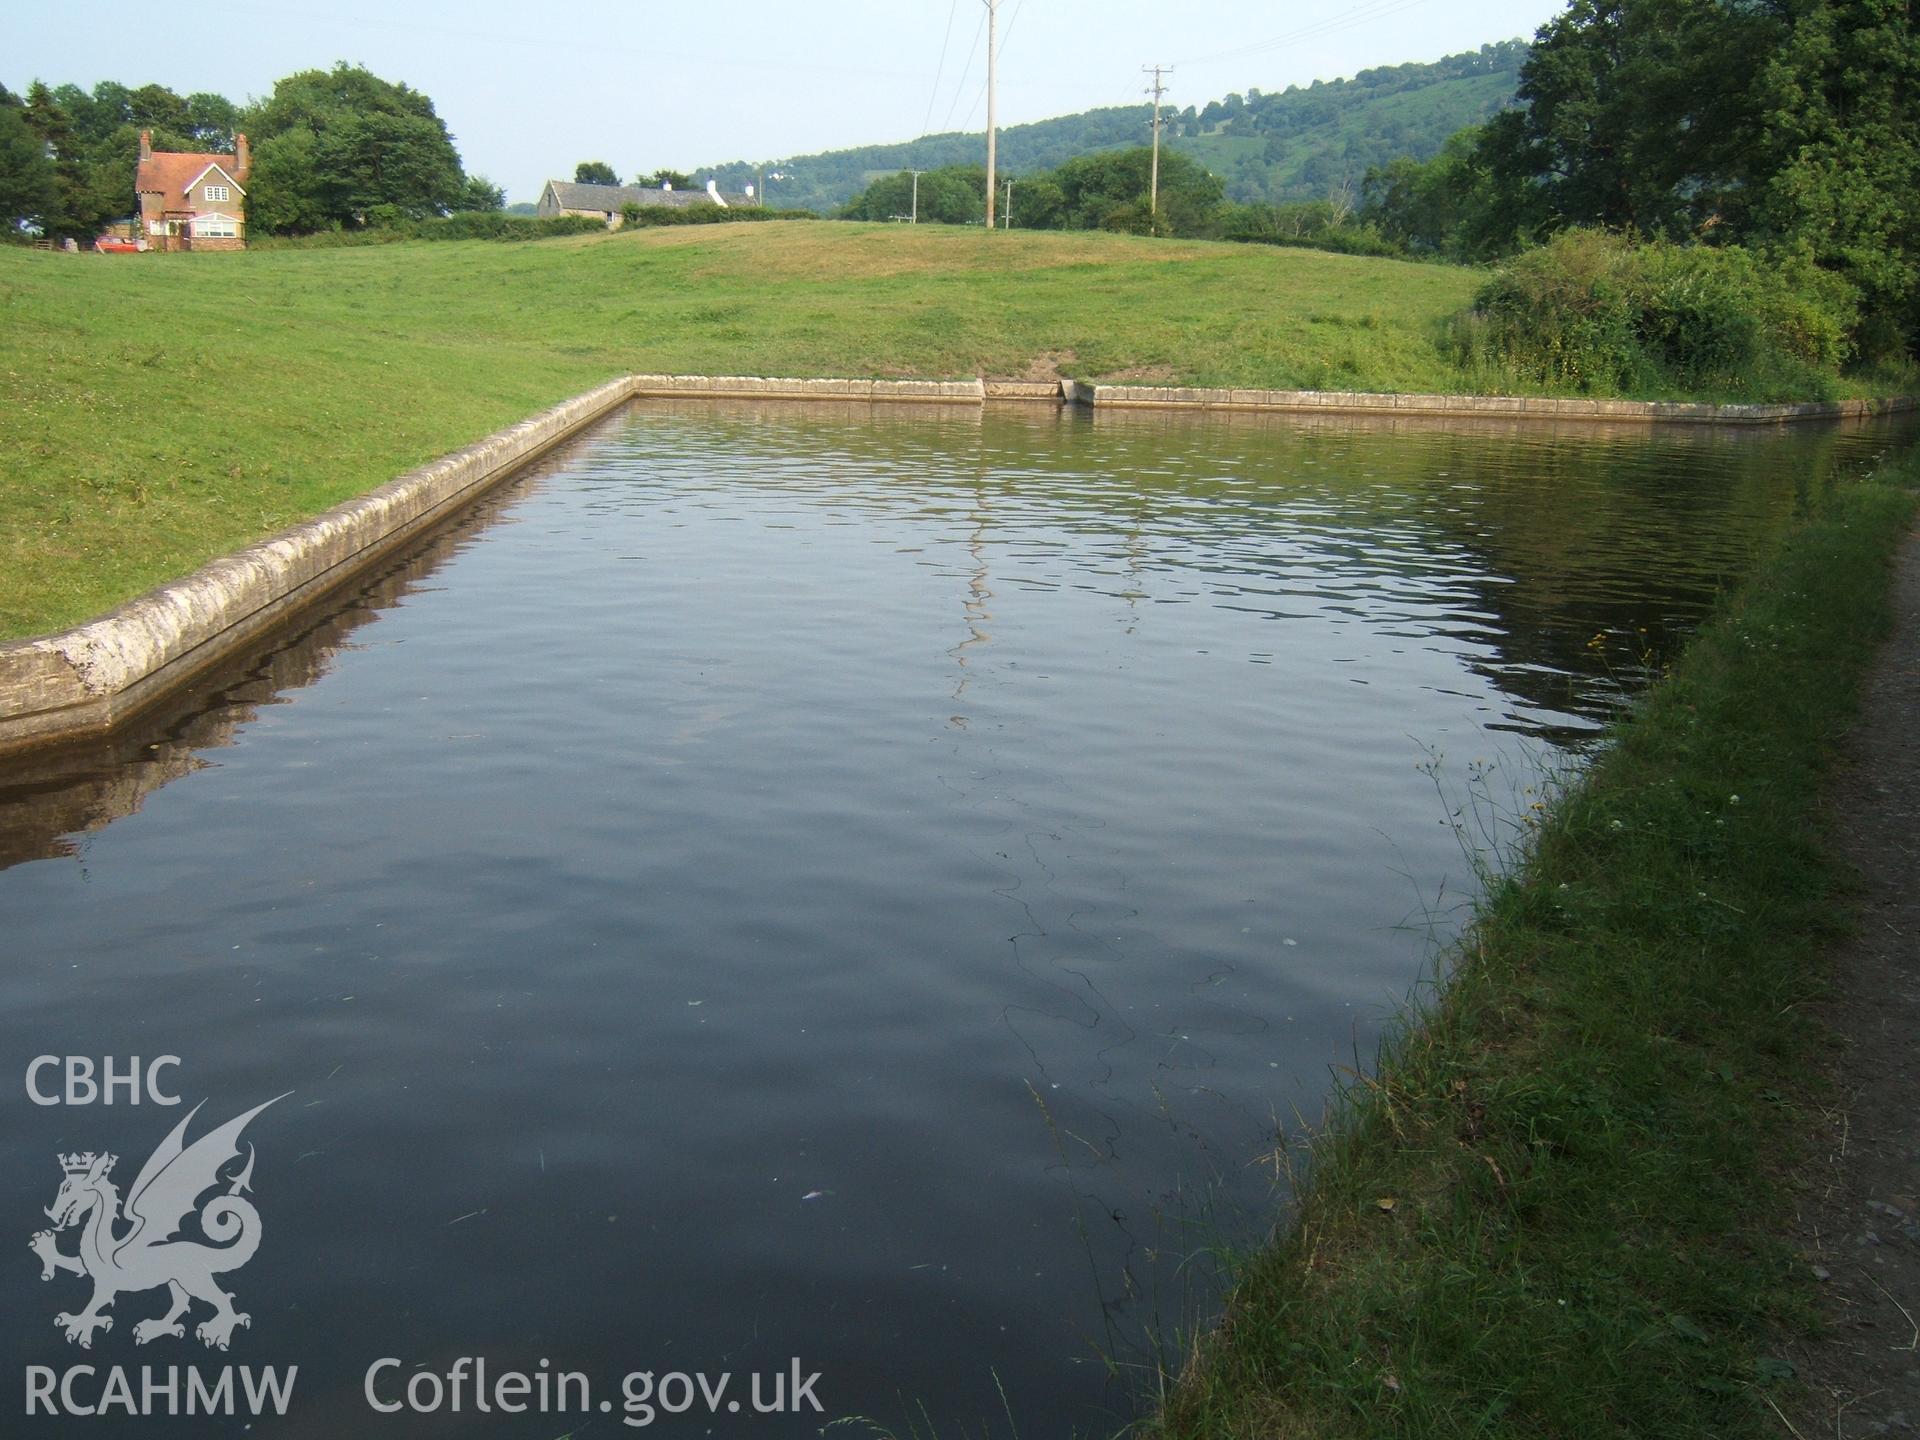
(147, 1255)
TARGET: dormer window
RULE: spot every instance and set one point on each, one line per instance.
(217, 192)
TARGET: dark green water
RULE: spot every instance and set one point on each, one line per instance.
(787, 883)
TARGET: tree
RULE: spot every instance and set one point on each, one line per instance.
(75, 210)
(1038, 203)
(666, 177)
(1110, 191)
(1642, 114)
(951, 195)
(1842, 101)
(480, 193)
(1454, 205)
(338, 147)
(27, 183)
(213, 120)
(155, 107)
(594, 172)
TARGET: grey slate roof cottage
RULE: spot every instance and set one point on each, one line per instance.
(605, 202)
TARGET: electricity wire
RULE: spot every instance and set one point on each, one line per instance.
(947, 39)
(960, 88)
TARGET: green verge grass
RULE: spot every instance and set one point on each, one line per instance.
(157, 411)
(1558, 1206)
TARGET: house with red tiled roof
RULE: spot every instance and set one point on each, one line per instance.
(193, 202)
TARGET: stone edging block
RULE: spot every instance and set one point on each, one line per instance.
(1171, 397)
(82, 682)
(761, 387)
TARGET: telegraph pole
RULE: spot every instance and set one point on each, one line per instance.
(1153, 200)
(993, 76)
(916, 197)
(1006, 218)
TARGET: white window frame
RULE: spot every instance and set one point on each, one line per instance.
(218, 193)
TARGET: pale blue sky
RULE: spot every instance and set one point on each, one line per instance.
(528, 90)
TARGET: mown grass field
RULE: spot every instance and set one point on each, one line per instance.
(156, 411)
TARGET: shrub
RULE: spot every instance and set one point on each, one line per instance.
(463, 225)
(1596, 311)
(498, 225)
(1306, 225)
(708, 213)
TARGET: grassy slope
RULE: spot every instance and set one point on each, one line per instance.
(1556, 1210)
(157, 411)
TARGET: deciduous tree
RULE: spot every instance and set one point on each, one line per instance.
(480, 193)
(1642, 114)
(27, 182)
(1842, 100)
(342, 147)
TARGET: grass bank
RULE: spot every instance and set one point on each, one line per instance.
(157, 411)
(1559, 1206)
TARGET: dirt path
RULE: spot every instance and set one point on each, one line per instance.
(1860, 1213)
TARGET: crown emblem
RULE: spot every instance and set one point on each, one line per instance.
(81, 1162)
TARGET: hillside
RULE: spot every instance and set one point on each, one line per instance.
(1293, 144)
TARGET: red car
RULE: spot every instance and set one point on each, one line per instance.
(114, 245)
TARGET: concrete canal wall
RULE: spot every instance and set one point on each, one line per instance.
(80, 683)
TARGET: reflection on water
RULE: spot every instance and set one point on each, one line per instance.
(781, 882)
(50, 799)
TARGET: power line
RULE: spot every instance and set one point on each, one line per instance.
(960, 88)
(1007, 34)
(945, 40)
(998, 51)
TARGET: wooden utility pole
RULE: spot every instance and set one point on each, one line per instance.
(1006, 219)
(916, 197)
(1153, 195)
(993, 77)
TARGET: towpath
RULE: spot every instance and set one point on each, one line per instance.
(1860, 1209)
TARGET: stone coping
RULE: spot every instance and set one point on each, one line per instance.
(1181, 397)
(82, 682)
(760, 387)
